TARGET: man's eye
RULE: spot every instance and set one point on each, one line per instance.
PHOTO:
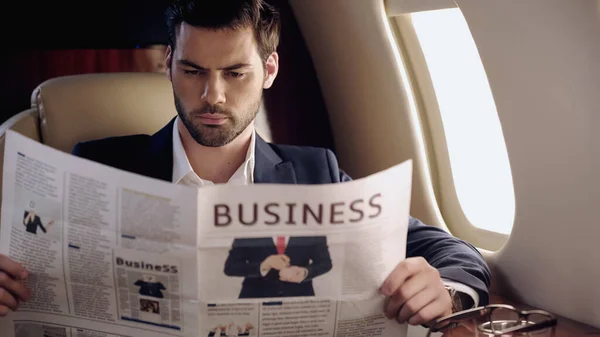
(235, 74)
(190, 72)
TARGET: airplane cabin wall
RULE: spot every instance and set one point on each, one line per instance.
(542, 58)
(371, 110)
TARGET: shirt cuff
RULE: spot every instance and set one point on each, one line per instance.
(465, 289)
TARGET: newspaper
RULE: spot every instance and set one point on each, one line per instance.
(112, 253)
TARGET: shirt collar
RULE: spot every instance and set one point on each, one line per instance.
(184, 174)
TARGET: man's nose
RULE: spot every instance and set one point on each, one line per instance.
(214, 90)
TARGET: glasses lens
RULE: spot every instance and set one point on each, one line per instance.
(538, 319)
(535, 318)
(504, 314)
(466, 328)
(501, 319)
(451, 322)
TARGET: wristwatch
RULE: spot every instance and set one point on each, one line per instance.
(460, 301)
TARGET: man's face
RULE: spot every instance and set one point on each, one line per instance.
(218, 78)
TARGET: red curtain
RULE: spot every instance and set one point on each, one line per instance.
(56, 63)
(26, 69)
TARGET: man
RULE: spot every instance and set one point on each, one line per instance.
(278, 267)
(221, 55)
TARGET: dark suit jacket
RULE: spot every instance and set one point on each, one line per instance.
(150, 288)
(152, 156)
(247, 254)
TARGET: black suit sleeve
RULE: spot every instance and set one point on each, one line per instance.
(80, 150)
(238, 264)
(455, 259)
(321, 260)
(38, 222)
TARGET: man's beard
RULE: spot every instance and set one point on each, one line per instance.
(216, 135)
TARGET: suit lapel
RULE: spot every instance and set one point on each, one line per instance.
(160, 154)
(269, 167)
(269, 245)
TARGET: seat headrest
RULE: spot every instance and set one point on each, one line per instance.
(92, 106)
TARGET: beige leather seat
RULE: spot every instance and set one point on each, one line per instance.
(66, 110)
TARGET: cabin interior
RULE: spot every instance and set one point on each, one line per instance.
(495, 102)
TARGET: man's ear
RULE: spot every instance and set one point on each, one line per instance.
(271, 69)
(168, 59)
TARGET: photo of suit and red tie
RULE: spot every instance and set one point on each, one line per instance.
(280, 266)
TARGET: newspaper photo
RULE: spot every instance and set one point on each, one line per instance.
(112, 253)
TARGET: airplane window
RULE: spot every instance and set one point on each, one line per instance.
(473, 134)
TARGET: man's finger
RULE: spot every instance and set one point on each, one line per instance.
(416, 303)
(3, 310)
(280, 264)
(426, 315)
(401, 273)
(12, 268)
(284, 261)
(7, 299)
(15, 287)
(409, 289)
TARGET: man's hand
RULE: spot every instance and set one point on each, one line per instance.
(415, 293)
(12, 289)
(293, 274)
(277, 262)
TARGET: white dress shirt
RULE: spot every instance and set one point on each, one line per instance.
(184, 174)
(244, 175)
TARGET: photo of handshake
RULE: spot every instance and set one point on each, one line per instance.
(281, 262)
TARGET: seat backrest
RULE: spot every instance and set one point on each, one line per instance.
(92, 106)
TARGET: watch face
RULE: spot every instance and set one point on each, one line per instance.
(457, 302)
(455, 298)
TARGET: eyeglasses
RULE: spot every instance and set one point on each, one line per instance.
(493, 320)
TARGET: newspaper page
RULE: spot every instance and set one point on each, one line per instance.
(301, 260)
(110, 253)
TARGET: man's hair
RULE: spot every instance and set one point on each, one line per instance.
(261, 17)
